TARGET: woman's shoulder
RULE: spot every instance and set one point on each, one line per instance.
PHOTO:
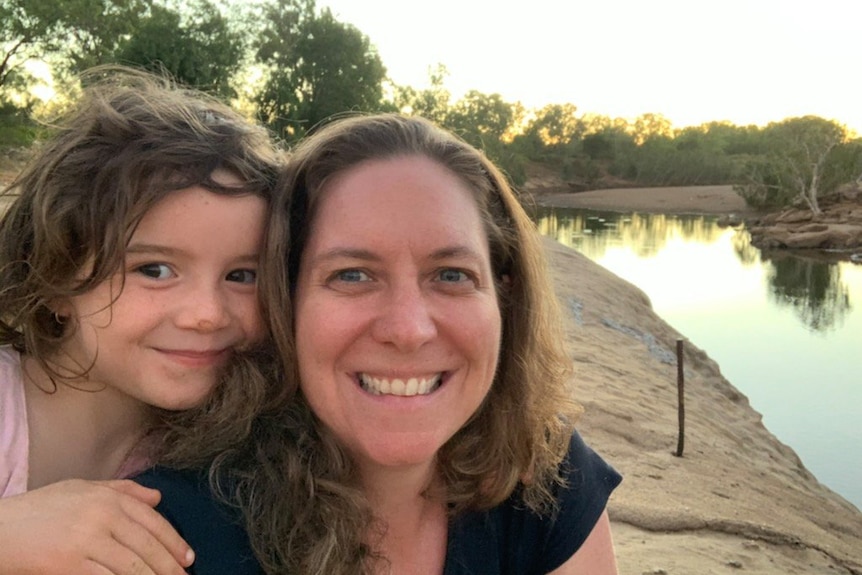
(214, 529)
(586, 471)
(513, 536)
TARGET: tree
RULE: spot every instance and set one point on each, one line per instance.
(648, 126)
(801, 163)
(93, 29)
(555, 125)
(431, 103)
(481, 119)
(316, 67)
(78, 33)
(22, 27)
(196, 46)
(488, 123)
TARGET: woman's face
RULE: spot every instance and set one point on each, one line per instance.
(397, 321)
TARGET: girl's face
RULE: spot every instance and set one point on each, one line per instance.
(397, 322)
(189, 299)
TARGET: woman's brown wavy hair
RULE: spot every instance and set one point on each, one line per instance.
(297, 487)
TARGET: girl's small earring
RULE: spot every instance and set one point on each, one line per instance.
(61, 320)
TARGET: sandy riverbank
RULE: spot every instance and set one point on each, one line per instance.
(679, 200)
(739, 500)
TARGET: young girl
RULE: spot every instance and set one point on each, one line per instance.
(128, 281)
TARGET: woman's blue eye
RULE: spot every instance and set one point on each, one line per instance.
(155, 271)
(352, 276)
(451, 275)
(242, 276)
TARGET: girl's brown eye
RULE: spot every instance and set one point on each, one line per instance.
(242, 276)
(155, 271)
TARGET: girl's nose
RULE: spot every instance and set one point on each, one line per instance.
(204, 310)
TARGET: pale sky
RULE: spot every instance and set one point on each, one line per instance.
(693, 61)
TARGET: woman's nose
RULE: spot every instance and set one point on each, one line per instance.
(405, 319)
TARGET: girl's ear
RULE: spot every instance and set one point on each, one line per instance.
(61, 308)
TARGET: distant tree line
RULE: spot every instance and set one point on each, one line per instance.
(293, 66)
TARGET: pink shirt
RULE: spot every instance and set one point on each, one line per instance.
(14, 436)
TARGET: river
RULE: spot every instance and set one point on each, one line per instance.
(785, 330)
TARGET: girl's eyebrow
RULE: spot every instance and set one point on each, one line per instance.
(139, 248)
(162, 250)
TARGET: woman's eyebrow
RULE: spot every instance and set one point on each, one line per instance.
(344, 253)
(457, 251)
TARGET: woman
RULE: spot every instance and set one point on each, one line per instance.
(428, 424)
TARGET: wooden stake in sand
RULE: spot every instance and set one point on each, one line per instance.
(680, 389)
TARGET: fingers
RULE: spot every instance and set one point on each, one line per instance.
(92, 528)
(154, 533)
(163, 535)
(135, 552)
(149, 496)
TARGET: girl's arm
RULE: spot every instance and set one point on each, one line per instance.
(78, 526)
(596, 555)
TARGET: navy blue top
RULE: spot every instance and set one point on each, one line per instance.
(506, 540)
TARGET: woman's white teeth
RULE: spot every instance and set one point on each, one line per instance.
(402, 387)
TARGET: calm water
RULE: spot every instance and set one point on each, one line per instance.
(786, 331)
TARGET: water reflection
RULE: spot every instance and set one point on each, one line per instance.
(781, 327)
(812, 288)
(647, 234)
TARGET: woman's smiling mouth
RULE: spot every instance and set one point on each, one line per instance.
(401, 387)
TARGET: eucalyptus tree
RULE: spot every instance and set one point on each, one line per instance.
(75, 33)
(315, 67)
(806, 158)
(432, 102)
(194, 42)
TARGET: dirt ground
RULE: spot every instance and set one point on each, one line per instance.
(674, 200)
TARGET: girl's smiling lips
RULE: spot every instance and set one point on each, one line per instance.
(197, 358)
(405, 387)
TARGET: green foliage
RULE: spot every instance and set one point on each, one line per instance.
(317, 67)
(17, 130)
(486, 122)
(805, 158)
(27, 27)
(481, 119)
(555, 125)
(300, 66)
(73, 33)
(431, 103)
(196, 46)
(88, 31)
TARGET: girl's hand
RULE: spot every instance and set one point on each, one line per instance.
(89, 527)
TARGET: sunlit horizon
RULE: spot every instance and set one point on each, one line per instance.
(746, 62)
(741, 61)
